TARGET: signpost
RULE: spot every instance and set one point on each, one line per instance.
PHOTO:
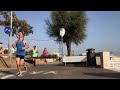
(10, 39)
(62, 33)
(8, 30)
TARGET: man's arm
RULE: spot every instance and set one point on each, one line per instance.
(14, 45)
(26, 45)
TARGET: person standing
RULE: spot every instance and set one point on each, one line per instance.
(20, 45)
(35, 55)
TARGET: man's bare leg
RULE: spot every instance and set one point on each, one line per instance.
(25, 66)
(18, 65)
(34, 62)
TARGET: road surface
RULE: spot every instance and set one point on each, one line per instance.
(58, 71)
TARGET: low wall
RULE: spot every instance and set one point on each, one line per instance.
(99, 59)
(115, 65)
(48, 60)
(105, 60)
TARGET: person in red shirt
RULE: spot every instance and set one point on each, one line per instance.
(45, 54)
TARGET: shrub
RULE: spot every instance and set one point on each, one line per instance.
(5, 51)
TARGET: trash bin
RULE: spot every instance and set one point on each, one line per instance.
(91, 59)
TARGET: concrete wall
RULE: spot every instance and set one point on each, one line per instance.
(99, 59)
(105, 60)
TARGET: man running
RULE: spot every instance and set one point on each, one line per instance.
(21, 45)
(35, 55)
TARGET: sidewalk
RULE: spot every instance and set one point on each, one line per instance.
(4, 63)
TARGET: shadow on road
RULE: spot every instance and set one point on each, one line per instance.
(109, 75)
(76, 64)
(6, 72)
(29, 61)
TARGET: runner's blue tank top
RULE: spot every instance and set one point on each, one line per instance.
(20, 44)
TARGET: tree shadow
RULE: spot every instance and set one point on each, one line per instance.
(111, 74)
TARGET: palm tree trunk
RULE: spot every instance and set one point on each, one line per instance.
(68, 48)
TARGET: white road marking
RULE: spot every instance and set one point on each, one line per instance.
(2, 74)
(36, 72)
(50, 72)
(24, 71)
(11, 75)
(7, 76)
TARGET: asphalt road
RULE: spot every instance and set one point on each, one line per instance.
(57, 71)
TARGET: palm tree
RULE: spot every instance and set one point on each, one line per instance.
(74, 23)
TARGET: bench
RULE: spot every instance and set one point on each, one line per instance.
(74, 59)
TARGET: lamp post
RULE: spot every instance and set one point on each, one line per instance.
(10, 44)
(62, 33)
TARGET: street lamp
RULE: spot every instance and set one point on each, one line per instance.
(10, 37)
(62, 33)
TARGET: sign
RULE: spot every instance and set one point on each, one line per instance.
(7, 30)
(62, 32)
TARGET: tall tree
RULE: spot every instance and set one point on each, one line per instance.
(74, 23)
(17, 24)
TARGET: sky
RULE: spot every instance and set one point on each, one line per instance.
(102, 32)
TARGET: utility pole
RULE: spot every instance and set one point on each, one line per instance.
(10, 39)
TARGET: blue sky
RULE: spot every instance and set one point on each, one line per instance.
(102, 30)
